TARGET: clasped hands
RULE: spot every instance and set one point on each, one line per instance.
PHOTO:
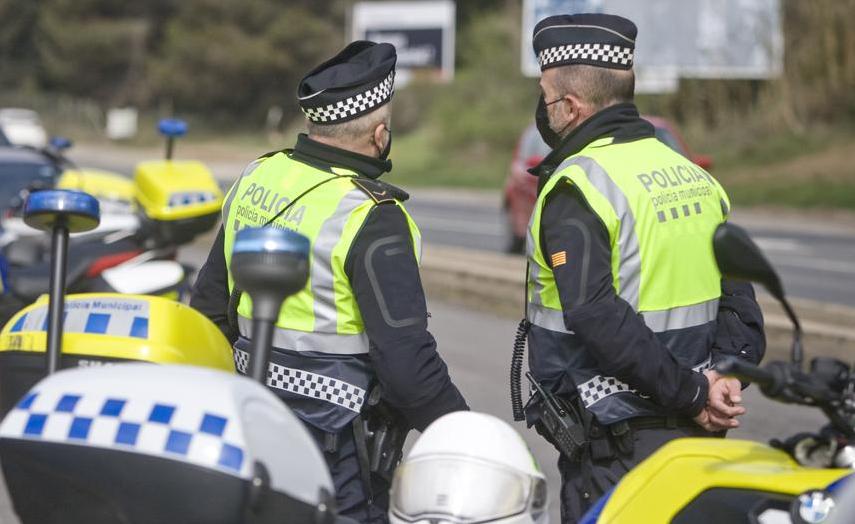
(724, 403)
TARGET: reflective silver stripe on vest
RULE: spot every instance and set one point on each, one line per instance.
(296, 340)
(227, 205)
(322, 280)
(681, 317)
(629, 269)
(600, 387)
(533, 267)
(417, 245)
(307, 384)
(550, 319)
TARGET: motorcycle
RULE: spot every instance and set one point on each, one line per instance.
(700, 480)
(149, 444)
(168, 204)
(96, 328)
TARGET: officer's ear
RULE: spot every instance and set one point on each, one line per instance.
(379, 135)
(574, 108)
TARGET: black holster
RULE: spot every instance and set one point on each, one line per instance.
(385, 432)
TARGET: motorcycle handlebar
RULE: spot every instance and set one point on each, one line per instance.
(746, 372)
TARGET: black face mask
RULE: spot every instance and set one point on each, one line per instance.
(541, 120)
(384, 153)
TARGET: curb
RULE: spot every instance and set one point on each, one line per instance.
(494, 281)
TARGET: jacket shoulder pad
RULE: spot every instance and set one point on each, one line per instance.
(379, 191)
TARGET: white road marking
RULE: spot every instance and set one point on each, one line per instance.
(815, 264)
(781, 245)
(451, 225)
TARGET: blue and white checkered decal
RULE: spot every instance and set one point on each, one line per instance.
(184, 433)
(118, 317)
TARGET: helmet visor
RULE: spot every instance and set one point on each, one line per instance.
(459, 490)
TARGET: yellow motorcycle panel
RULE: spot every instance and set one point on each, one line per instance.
(100, 184)
(176, 189)
(670, 479)
(125, 327)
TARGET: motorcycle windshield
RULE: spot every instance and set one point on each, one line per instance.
(461, 490)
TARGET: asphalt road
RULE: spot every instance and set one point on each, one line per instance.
(815, 260)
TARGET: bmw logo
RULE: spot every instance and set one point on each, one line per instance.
(812, 507)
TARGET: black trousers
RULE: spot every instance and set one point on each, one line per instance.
(350, 495)
(579, 493)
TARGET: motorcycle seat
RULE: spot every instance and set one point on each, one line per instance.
(28, 282)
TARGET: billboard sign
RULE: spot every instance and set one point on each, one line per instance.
(682, 38)
(422, 31)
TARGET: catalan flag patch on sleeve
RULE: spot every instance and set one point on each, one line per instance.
(559, 259)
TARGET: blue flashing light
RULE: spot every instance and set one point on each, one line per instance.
(271, 240)
(172, 127)
(79, 211)
(60, 143)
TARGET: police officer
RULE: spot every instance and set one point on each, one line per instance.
(352, 354)
(627, 308)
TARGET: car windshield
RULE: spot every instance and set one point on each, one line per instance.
(15, 177)
(667, 138)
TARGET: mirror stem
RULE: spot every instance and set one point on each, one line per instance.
(796, 354)
(262, 338)
(170, 141)
(56, 298)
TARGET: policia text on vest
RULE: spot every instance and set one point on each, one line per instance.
(258, 202)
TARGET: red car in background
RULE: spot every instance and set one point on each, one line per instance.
(521, 187)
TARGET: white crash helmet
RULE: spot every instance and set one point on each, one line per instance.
(467, 468)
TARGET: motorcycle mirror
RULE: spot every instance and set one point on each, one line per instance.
(739, 258)
(270, 264)
(61, 212)
(171, 128)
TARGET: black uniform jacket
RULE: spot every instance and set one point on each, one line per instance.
(607, 325)
(403, 353)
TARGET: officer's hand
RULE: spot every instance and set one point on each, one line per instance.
(725, 395)
(723, 403)
(704, 421)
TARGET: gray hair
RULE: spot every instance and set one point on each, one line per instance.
(598, 86)
(355, 129)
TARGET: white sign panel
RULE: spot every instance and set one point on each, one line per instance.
(421, 31)
(682, 38)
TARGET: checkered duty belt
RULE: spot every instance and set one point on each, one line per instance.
(308, 384)
(599, 387)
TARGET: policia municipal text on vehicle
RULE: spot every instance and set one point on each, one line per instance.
(352, 354)
(626, 306)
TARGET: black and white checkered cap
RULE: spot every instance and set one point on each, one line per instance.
(358, 80)
(593, 39)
